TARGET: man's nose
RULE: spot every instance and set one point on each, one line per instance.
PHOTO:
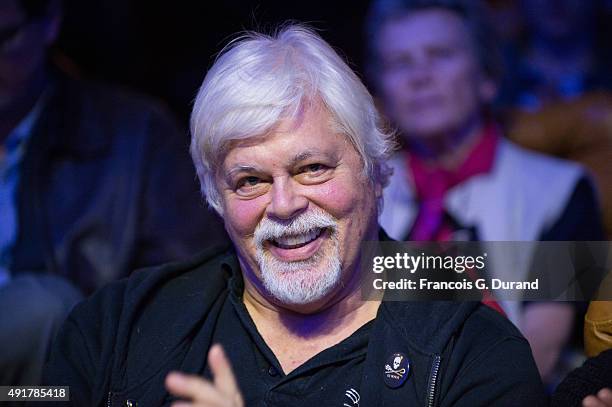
(287, 201)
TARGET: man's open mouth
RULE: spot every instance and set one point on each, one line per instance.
(297, 241)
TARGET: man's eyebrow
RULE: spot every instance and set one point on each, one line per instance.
(305, 155)
(301, 156)
(240, 168)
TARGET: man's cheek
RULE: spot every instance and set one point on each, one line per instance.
(335, 198)
(243, 216)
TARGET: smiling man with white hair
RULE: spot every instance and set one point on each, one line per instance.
(289, 150)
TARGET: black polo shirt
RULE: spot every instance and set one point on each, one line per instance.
(330, 378)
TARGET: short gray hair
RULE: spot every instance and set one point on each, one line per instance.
(474, 13)
(260, 79)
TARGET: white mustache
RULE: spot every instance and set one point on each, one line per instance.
(304, 223)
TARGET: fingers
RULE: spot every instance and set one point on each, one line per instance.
(199, 392)
(194, 388)
(222, 371)
(605, 395)
(592, 401)
(602, 399)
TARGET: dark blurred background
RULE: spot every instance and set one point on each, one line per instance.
(164, 48)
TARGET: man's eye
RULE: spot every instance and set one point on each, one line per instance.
(314, 168)
(315, 173)
(248, 182)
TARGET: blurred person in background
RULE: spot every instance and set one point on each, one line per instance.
(435, 67)
(555, 95)
(579, 130)
(94, 182)
(556, 91)
(591, 384)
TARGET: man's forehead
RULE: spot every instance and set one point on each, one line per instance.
(295, 139)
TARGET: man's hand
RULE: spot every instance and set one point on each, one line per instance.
(602, 399)
(223, 392)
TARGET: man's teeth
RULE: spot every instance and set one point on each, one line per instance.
(291, 242)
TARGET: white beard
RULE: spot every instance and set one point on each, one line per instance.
(304, 281)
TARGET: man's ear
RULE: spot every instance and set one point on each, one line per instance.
(378, 190)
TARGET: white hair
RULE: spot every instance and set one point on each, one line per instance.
(259, 79)
(303, 281)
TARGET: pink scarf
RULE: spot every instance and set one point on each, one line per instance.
(432, 184)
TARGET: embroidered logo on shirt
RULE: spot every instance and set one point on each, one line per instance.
(353, 397)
